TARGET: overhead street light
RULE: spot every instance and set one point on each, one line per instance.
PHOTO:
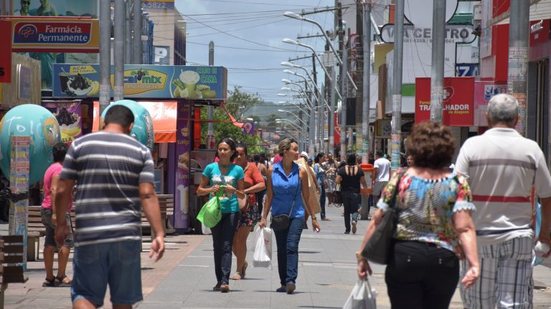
(295, 115)
(302, 76)
(289, 122)
(295, 42)
(302, 18)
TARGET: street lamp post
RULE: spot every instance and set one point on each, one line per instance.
(302, 18)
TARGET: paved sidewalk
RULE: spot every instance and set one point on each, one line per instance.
(185, 276)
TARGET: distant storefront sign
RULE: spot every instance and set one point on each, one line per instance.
(55, 34)
(484, 90)
(158, 4)
(144, 81)
(458, 101)
(161, 55)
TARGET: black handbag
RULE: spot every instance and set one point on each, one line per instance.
(378, 248)
(281, 222)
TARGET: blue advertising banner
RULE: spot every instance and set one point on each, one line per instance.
(144, 81)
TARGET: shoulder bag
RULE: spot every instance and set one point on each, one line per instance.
(281, 222)
(378, 247)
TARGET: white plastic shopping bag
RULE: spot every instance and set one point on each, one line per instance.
(263, 249)
(361, 297)
(205, 229)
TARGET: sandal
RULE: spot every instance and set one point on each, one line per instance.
(49, 283)
(63, 281)
(236, 276)
(244, 269)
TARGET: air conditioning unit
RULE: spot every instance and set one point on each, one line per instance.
(477, 12)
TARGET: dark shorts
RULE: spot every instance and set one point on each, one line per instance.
(46, 215)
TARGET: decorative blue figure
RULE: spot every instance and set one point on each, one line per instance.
(41, 125)
(143, 123)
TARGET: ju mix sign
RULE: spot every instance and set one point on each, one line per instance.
(457, 101)
(144, 81)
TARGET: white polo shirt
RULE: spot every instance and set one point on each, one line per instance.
(503, 167)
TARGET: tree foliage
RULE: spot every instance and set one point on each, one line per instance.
(237, 104)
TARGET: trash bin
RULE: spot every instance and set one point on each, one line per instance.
(368, 170)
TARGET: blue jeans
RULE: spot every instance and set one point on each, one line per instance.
(287, 250)
(322, 201)
(222, 241)
(114, 263)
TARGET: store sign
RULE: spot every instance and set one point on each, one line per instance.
(5, 52)
(458, 101)
(158, 4)
(161, 55)
(55, 34)
(484, 90)
(144, 81)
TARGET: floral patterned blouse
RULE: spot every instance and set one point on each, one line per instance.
(426, 207)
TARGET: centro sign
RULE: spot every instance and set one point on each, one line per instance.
(413, 34)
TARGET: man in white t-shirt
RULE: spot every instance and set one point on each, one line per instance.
(382, 171)
(503, 168)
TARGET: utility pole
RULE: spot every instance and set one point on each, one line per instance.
(318, 102)
(137, 26)
(120, 13)
(437, 76)
(331, 113)
(344, 69)
(366, 27)
(128, 45)
(518, 58)
(105, 54)
(210, 109)
(396, 135)
(322, 121)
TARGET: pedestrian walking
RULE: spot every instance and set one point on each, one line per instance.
(351, 179)
(382, 176)
(114, 173)
(287, 189)
(250, 215)
(503, 168)
(48, 210)
(260, 162)
(434, 225)
(228, 177)
(320, 176)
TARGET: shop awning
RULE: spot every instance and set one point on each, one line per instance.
(539, 10)
(164, 119)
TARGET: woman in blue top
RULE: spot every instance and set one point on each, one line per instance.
(287, 188)
(228, 177)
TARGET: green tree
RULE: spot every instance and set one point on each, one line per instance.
(237, 104)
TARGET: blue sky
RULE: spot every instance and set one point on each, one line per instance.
(247, 35)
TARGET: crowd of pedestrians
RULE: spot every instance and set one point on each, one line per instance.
(471, 225)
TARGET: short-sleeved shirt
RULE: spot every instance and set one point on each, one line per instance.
(350, 182)
(502, 168)
(52, 171)
(426, 206)
(108, 168)
(228, 203)
(287, 194)
(383, 169)
(252, 175)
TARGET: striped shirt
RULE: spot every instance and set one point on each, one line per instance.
(503, 167)
(108, 168)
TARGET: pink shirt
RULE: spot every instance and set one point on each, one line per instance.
(53, 170)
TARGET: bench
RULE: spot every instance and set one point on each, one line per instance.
(35, 230)
(11, 259)
(166, 205)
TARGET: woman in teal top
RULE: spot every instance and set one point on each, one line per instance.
(287, 188)
(227, 177)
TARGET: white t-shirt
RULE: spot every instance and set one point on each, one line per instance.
(383, 169)
(502, 167)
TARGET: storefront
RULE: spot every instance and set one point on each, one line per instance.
(174, 96)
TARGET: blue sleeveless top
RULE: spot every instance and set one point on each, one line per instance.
(286, 188)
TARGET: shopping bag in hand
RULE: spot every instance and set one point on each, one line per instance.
(210, 214)
(263, 250)
(361, 297)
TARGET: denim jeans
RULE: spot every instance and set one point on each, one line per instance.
(351, 202)
(287, 250)
(222, 241)
(322, 201)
